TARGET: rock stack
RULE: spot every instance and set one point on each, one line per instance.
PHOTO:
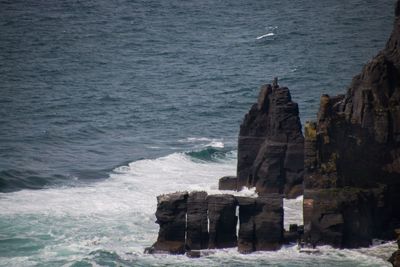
(271, 144)
(352, 157)
(211, 222)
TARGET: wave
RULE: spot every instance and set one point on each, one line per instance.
(210, 153)
(111, 221)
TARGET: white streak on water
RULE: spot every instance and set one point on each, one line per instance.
(265, 35)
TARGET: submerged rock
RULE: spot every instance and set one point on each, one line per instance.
(222, 221)
(171, 216)
(271, 144)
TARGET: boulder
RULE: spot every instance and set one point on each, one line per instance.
(171, 216)
(271, 145)
(222, 221)
(227, 183)
(197, 221)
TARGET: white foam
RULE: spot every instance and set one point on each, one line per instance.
(117, 214)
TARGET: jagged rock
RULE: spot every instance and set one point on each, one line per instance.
(222, 221)
(354, 150)
(343, 217)
(197, 221)
(261, 223)
(227, 183)
(271, 144)
(171, 216)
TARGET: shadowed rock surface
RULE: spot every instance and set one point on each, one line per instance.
(352, 156)
(197, 221)
(271, 144)
(171, 216)
(222, 221)
(261, 223)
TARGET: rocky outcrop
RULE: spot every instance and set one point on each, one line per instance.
(271, 144)
(171, 216)
(261, 223)
(352, 157)
(222, 221)
(197, 221)
(227, 183)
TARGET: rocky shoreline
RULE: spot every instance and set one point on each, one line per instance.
(347, 167)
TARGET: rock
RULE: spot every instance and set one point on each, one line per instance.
(343, 217)
(197, 221)
(269, 222)
(171, 216)
(246, 238)
(193, 254)
(352, 157)
(271, 145)
(293, 235)
(395, 259)
(261, 223)
(222, 221)
(227, 183)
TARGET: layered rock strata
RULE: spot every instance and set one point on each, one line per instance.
(352, 157)
(197, 221)
(211, 222)
(223, 221)
(271, 144)
(171, 216)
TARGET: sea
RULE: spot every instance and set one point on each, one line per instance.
(106, 104)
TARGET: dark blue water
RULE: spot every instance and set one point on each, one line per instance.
(90, 85)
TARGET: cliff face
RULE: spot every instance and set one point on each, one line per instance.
(270, 146)
(352, 155)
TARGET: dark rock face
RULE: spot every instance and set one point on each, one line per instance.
(197, 221)
(261, 223)
(222, 221)
(271, 144)
(345, 217)
(246, 238)
(352, 156)
(269, 223)
(171, 216)
(227, 183)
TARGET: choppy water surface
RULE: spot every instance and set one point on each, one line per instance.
(105, 104)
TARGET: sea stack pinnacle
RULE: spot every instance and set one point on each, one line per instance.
(271, 144)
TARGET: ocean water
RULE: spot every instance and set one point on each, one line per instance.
(106, 104)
